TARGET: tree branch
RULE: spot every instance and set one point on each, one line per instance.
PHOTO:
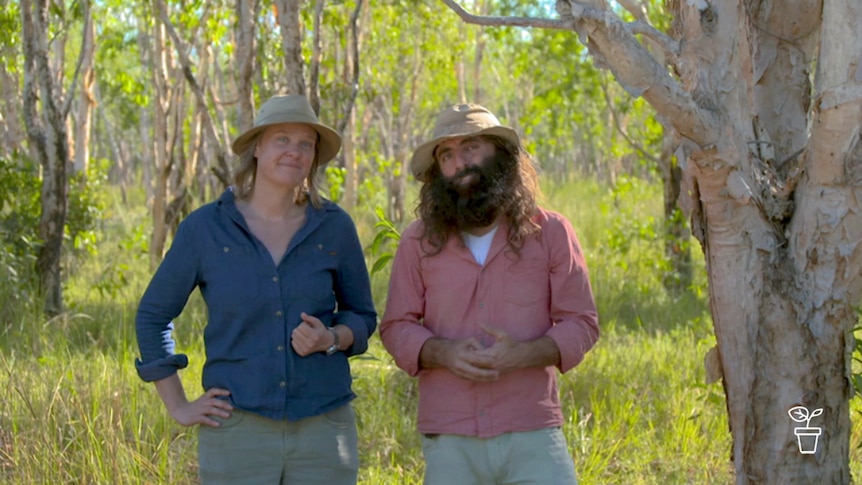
(209, 126)
(612, 43)
(667, 43)
(506, 21)
(70, 96)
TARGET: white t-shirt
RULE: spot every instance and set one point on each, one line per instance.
(479, 245)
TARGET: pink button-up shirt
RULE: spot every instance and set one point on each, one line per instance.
(545, 291)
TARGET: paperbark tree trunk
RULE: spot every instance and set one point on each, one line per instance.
(773, 183)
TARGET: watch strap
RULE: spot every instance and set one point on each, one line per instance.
(334, 347)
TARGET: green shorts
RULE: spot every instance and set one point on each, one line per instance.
(533, 457)
(251, 449)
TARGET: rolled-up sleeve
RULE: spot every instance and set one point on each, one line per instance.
(401, 330)
(164, 300)
(573, 310)
(353, 292)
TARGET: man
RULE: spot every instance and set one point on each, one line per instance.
(489, 294)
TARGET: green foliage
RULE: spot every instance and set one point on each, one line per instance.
(19, 220)
(627, 227)
(133, 248)
(373, 189)
(10, 32)
(856, 363)
(86, 205)
(123, 82)
(381, 248)
(335, 181)
(20, 209)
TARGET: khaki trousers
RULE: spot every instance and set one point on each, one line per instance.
(249, 449)
(534, 457)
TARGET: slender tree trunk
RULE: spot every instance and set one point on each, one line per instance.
(86, 101)
(291, 42)
(247, 11)
(161, 161)
(146, 131)
(313, 90)
(348, 151)
(221, 169)
(46, 130)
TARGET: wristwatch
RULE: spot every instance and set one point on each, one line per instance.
(334, 347)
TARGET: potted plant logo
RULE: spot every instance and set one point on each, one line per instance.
(806, 437)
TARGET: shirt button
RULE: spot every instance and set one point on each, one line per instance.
(280, 348)
(275, 278)
(226, 249)
(481, 305)
(282, 384)
(278, 313)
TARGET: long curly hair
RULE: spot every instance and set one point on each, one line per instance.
(518, 207)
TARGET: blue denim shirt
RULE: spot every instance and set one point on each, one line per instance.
(254, 305)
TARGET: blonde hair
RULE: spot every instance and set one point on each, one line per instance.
(246, 173)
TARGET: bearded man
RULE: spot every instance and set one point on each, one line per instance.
(489, 297)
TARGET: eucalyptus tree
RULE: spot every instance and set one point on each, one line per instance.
(162, 123)
(86, 100)
(46, 104)
(771, 156)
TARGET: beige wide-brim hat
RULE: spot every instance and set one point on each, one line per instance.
(453, 122)
(291, 108)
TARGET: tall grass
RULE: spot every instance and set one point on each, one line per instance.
(73, 410)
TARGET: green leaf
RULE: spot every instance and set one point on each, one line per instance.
(381, 263)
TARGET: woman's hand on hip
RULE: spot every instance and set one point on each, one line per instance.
(200, 410)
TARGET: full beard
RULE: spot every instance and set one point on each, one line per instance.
(475, 196)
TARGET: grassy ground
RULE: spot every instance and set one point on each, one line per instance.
(638, 409)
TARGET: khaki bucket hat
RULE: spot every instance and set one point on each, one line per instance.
(291, 108)
(455, 121)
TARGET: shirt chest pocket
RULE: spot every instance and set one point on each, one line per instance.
(527, 283)
(312, 273)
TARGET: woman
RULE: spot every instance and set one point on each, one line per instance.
(288, 299)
